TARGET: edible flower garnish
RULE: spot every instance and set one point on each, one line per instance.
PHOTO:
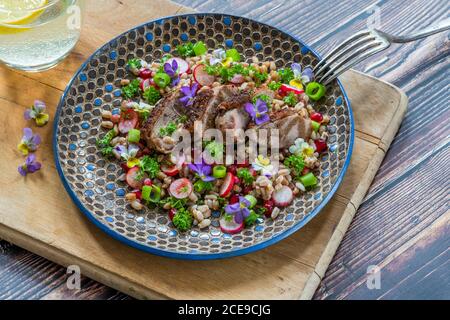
(37, 112)
(304, 76)
(301, 147)
(171, 69)
(263, 165)
(240, 209)
(218, 56)
(203, 171)
(30, 142)
(189, 93)
(128, 154)
(30, 165)
(258, 111)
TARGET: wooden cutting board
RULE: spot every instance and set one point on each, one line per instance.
(38, 215)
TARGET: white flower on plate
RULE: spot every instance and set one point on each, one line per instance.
(300, 147)
(218, 56)
(263, 165)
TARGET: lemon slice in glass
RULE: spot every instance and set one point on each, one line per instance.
(19, 12)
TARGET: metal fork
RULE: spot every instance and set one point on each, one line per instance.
(363, 45)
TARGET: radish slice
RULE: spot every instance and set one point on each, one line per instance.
(145, 84)
(180, 188)
(128, 121)
(230, 227)
(227, 185)
(283, 197)
(237, 79)
(287, 88)
(183, 66)
(202, 77)
(132, 180)
(170, 170)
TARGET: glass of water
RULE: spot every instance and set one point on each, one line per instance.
(37, 34)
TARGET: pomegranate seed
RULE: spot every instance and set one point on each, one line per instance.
(138, 195)
(237, 180)
(145, 74)
(232, 169)
(172, 213)
(321, 145)
(148, 182)
(124, 167)
(115, 118)
(247, 189)
(317, 117)
(305, 171)
(234, 199)
(253, 172)
(268, 205)
(243, 165)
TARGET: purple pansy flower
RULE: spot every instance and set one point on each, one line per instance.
(203, 171)
(30, 142)
(240, 209)
(189, 93)
(37, 112)
(304, 76)
(258, 111)
(30, 165)
(171, 68)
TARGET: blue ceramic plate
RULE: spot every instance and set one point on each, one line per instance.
(92, 181)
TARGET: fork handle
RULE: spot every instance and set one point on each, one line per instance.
(439, 27)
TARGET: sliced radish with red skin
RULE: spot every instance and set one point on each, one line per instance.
(132, 180)
(128, 121)
(202, 77)
(170, 170)
(145, 84)
(172, 213)
(237, 79)
(183, 66)
(230, 227)
(283, 197)
(227, 185)
(287, 88)
(180, 188)
(145, 73)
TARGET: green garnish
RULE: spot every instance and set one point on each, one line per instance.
(152, 95)
(286, 75)
(106, 140)
(245, 175)
(252, 200)
(274, 85)
(107, 151)
(183, 119)
(134, 135)
(291, 99)
(296, 163)
(148, 165)
(174, 202)
(186, 50)
(219, 172)
(168, 130)
(214, 148)
(228, 217)
(132, 89)
(199, 48)
(182, 219)
(134, 63)
(308, 180)
(201, 186)
(251, 219)
(315, 126)
(263, 97)
(233, 54)
(260, 77)
(315, 90)
(161, 79)
(165, 58)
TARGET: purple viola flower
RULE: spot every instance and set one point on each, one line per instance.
(258, 111)
(37, 112)
(203, 171)
(171, 68)
(30, 142)
(304, 76)
(240, 209)
(30, 165)
(189, 93)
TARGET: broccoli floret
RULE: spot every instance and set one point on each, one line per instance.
(274, 85)
(186, 50)
(296, 163)
(246, 176)
(152, 95)
(291, 99)
(132, 89)
(182, 220)
(148, 165)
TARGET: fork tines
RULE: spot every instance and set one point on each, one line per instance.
(349, 53)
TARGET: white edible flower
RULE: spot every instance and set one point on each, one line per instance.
(263, 165)
(301, 147)
(218, 56)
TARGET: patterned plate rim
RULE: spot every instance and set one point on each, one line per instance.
(197, 256)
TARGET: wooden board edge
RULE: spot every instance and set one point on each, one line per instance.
(89, 270)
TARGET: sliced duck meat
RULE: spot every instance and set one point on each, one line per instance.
(264, 90)
(167, 111)
(291, 126)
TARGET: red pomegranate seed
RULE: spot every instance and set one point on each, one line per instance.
(268, 205)
(305, 171)
(172, 213)
(232, 169)
(145, 73)
(148, 182)
(234, 199)
(138, 195)
(321, 145)
(317, 117)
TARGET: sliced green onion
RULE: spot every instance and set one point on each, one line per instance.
(199, 48)
(151, 193)
(252, 200)
(161, 79)
(146, 191)
(315, 125)
(308, 180)
(315, 90)
(219, 172)
(134, 135)
(233, 54)
(199, 186)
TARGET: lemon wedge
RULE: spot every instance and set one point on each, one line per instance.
(19, 12)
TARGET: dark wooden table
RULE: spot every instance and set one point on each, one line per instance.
(403, 225)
